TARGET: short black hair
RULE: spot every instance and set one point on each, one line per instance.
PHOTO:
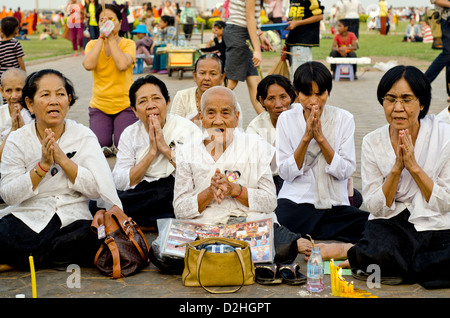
(310, 72)
(344, 22)
(419, 83)
(220, 24)
(281, 80)
(31, 85)
(111, 7)
(168, 19)
(149, 79)
(9, 25)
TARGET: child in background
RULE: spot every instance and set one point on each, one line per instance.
(427, 36)
(11, 52)
(144, 43)
(345, 44)
(219, 45)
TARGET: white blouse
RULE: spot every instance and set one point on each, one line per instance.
(432, 152)
(300, 184)
(248, 156)
(134, 143)
(54, 194)
(444, 115)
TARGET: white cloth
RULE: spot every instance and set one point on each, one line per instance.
(134, 144)
(5, 120)
(444, 115)
(300, 184)
(54, 194)
(238, 13)
(184, 104)
(350, 8)
(432, 152)
(247, 154)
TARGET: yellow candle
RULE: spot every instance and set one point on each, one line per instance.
(33, 277)
(332, 277)
(351, 288)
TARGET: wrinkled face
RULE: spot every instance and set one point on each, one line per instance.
(151, 102)
(208, 74)
(314, 98)
(12, 91)
(401, 115)
(276, 102)
(51, 102)
(219, 116)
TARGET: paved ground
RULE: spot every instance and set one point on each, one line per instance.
(358, 97)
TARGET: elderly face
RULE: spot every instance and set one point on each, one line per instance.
(401, 106)
(219, 116)
(208, 74)
(51, 102)
(276, 102)
(11, 90)
(150, 102)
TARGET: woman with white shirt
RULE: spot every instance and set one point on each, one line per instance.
(276, 94)
(405, 169)
(315, 155)
(145, 167)
(50, 170)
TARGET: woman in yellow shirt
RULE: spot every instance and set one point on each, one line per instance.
(111, 59)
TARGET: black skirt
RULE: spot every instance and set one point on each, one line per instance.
(401, 251)
(53, 246)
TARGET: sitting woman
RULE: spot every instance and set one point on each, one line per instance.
(405, 168)
(208, 72)
(315, 154)
(276, 94)
(145, 166)
(50, 170)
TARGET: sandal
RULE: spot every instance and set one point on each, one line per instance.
(291, 275)
(267, 274)
(386, 280)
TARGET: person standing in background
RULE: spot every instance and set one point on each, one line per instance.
(188, 20)
(76, 25)
(350, 10)
(383, 17)
(91, 8)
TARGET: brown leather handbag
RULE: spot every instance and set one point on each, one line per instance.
(125, 250)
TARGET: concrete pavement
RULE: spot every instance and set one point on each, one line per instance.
(359, 97)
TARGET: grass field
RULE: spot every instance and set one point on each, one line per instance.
(370, 42)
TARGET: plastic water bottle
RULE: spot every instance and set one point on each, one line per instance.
(314, 274)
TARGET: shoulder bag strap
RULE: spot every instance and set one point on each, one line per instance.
(199, 264)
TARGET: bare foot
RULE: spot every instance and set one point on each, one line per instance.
(327, 250)
(5, 267)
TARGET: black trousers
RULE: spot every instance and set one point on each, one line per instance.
(149, 201)
(341, 223)
(400, 250)
(72, 244)
(336, 54)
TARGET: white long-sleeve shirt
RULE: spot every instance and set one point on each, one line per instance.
(432, 153)
(248, 156)
(55, 194)
(134, 143)
(300, 184)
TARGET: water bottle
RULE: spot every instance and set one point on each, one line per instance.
(314, 274)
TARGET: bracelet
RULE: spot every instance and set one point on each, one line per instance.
(102, 37)
(35, 171)
(240, 192)
(39, 164)
(259, 35)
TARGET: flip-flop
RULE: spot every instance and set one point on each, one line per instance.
(290, 273)
(267, 274)
(385, 280)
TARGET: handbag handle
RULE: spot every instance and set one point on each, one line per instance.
(199, 264)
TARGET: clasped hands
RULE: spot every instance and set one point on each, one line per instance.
(405, 151)
(221, 187)
(313, 126)
(156, 137)
(51, 152)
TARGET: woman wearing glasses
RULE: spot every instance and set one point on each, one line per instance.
(405, 169)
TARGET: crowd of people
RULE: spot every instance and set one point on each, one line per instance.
(190, 158)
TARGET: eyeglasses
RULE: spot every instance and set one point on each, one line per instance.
(403, 101)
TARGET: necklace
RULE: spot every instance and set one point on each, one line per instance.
(197, 99)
